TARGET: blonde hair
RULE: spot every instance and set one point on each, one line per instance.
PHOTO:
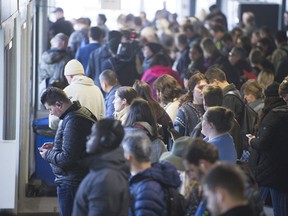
(265, 78)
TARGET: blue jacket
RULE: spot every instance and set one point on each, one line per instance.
(109, 98)
(83, 53)
(105, 190)
(147, 193)
(226, 148)
(96, 59)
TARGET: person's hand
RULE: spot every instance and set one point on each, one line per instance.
(47, 145)
(42, 152)
(250, 137)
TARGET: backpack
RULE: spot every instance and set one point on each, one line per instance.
(176, 203)
(249, 117)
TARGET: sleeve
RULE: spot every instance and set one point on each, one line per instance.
(268, 130)
(149, 200)
(90, 70)
(180, 122)
(235, 104)
(74, 140)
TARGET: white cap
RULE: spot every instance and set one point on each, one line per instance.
(73, 67)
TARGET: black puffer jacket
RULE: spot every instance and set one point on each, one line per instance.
(271, 147)
(70, 144)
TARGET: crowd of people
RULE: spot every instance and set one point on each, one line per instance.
(168, 104)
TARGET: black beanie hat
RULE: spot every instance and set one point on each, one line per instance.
(154, 47)
(272, 90)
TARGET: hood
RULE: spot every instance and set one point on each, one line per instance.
(163, 172)
(83, 80)
(113, 159)
(53, 55)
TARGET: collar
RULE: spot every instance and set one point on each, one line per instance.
(75, 106)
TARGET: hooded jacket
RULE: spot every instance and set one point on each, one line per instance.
(51, 67)
(105, 190)
(271, 147)
(148, 195)
(84, 90)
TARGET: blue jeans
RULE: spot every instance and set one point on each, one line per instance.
(66, 194)
(279, 200)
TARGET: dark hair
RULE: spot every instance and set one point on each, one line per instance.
(228, 177)
(215, 73)
(227, 37)
(114, 35)
(201, 150)
(182, 39)
(192, 82)
(220, 117)
(140, 111)
(109, 76)
(256, 56)
(96, 33)
(239, 52)
(139, 145)
(188, 26)
(213, 95)
(106, 134)
(52, 94)
(280, 36)
(113, 45)
(218, 28)
(128, 93)
(169, 88)
(102, 17)
(198, 48)
(160, 59)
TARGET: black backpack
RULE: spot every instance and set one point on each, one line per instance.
(176, 203)
(249, 117)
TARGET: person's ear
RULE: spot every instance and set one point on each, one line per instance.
(58, 104)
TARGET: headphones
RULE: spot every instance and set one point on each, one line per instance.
(108, 139)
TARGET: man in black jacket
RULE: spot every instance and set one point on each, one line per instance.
(69, 145)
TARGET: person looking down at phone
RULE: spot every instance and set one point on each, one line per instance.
(69, 145)
(270, 143)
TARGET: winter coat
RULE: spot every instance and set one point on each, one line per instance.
(84, 90)
(147, 192)
(61, 26)
(83, 53)
(96, 59)
(70, 145)
(232, 102)
(51, 67)
(156, 71)
(126, 71)
(183, 62)
(105, 190)
(271, 147)
(187, 118)
(109, 98)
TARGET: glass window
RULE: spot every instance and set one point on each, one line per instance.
(10, 77)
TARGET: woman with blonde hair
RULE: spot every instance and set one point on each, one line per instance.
(253, 95)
